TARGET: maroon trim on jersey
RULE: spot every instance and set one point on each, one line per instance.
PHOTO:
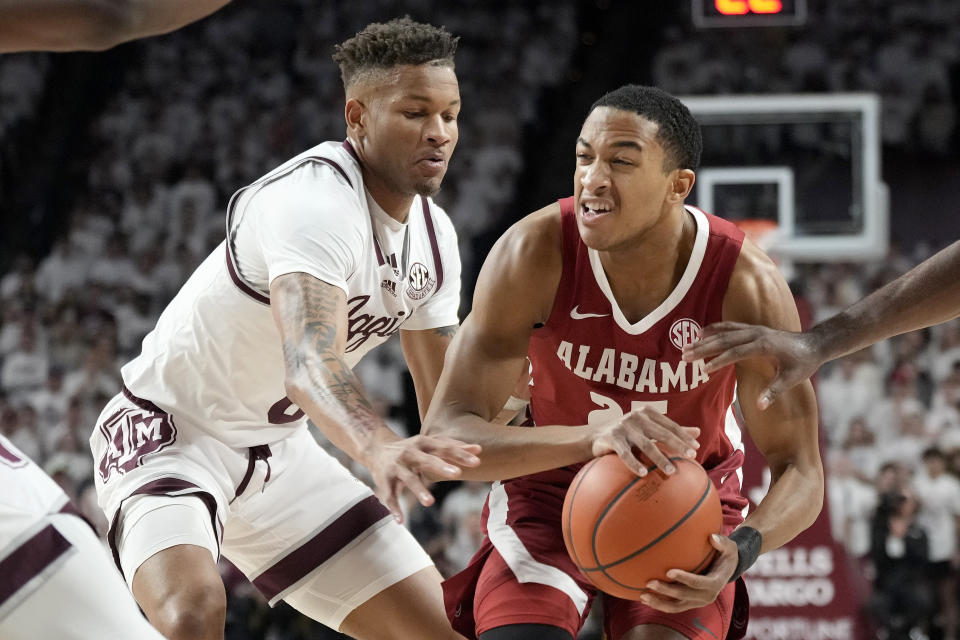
(434, 245)
(313, 553)
(10, 458)
(146, 405)
(376, 247)
(165, 487)
(243, 286)
(30, 559)
(332, 163)
(231, 261)
(70, 510)
(346, 144)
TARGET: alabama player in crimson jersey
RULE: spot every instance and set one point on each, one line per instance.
(602, 291)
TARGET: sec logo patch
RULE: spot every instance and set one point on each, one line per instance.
(684, 331)
(419, 281)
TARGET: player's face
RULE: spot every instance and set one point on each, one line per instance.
(411, 128)
(620, 187)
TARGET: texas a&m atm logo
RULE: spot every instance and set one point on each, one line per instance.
(132, 434)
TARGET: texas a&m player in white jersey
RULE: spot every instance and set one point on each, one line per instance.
(206, 450)
(602, 291)
(56, 579)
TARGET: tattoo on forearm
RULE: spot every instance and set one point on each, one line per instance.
(312, 307)
(448, 331)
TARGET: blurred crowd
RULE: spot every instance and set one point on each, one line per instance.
(890, 417)
(21, 86)
(906, 51)
(204, 111)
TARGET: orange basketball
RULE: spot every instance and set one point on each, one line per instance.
(623, 530)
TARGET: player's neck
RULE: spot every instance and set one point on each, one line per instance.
(643, 274)
(397, 205)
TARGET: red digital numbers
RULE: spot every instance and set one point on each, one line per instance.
(741, 7)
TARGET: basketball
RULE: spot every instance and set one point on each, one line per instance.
(622, 530)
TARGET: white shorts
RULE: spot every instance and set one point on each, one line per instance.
(290, 516)
(56, 579)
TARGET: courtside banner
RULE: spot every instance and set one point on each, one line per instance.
(803, 590)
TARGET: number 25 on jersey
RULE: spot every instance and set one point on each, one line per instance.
(610, 409)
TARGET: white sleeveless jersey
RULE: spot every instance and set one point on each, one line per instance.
(215, 360)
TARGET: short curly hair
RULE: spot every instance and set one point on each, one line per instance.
(383, 45)
(678, 132)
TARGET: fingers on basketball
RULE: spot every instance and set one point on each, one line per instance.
(623, 530)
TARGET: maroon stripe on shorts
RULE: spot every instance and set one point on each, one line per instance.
(434, 246)
(334, 537)
(30, 559)
(163, 487)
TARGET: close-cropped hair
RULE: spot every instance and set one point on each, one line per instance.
(383, 45)
(678, 131)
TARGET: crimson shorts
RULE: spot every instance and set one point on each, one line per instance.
(501, 600)
(522, 574)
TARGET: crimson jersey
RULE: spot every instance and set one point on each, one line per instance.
(590, 364)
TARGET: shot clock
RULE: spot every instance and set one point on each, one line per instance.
(749, 13)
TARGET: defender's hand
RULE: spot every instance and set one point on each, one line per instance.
(794, 353)
(692, 591)
(643, 428)
(413, 462)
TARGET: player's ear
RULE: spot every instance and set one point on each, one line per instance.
(354, 112)
(681, 185)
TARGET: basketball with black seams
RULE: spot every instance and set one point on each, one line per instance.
(623, 530)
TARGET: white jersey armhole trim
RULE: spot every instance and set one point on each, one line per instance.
(731, 427)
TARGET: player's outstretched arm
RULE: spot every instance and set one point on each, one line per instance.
(514, 292)
(786, 435)
(92, 25)
(926, 295)
(312, 317)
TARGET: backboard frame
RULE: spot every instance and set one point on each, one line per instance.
(873, 241)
